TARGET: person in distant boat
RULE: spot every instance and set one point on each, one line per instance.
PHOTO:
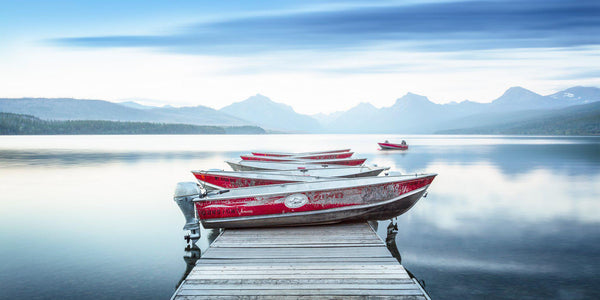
(386, 141)
(403, 142)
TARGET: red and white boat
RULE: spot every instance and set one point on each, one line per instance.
(392, 146)
(254, 165)
(333, 161)
(336, 155)
(307, 203)
(283, 154)
(219, 179)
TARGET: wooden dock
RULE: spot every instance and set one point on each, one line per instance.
(343, 261)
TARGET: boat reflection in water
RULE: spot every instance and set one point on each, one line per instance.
(390, 242)
(193, 253)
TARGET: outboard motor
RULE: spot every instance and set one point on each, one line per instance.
(185, 192)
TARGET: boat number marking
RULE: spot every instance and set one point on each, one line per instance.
(295, 200)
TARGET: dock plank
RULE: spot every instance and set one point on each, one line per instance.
(246, 281)
(285, 297)
(295, 292)
(342, 261)
(379, 267)
(282, 297)
(406, 286)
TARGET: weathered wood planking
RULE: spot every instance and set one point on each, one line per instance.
(342, 261)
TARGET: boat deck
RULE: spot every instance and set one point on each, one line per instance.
(342, 261)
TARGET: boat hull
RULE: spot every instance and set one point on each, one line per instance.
(249, 165)
(228, 180)
(378, 211)
(323, 156)
(313, 203)
(284, 154)
(334, 161)
(391, 146)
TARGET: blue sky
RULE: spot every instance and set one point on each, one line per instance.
(315, 56)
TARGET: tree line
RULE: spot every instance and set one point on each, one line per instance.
(19, 124)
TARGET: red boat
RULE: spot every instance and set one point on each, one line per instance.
(219, 179)
(340, 161)
(283, 154)
(392, 146)
(336, 155)
(319, 202)
(255, 165)
(322, 156)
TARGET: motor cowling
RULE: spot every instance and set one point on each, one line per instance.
(185, 193)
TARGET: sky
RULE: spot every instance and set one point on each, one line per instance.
(318, 57)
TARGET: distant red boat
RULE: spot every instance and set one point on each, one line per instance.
(392, 146)
(284, 154)
(335, 161)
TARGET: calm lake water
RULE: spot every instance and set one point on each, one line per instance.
(93, 216)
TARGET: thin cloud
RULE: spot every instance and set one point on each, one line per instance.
(427, 27)
(579, 75)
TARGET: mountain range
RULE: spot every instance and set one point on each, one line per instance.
(416, 114)
(581, 119)
(411, 113)
(76, 109)
(265, 113)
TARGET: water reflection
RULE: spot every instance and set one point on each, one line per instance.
(390, 240)
(192, 255)
(511, 155)
(193, 251)
(507, 217)
(572, 159)
(391, 244)
(66, 158)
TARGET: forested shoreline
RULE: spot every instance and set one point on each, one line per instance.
(19, 124)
